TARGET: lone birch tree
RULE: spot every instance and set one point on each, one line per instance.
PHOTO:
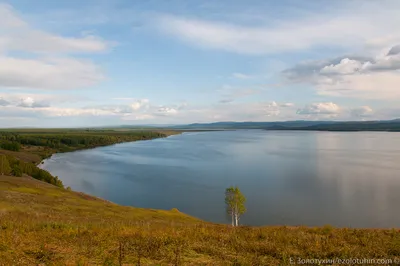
(234, 200)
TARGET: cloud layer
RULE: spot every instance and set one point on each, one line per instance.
(47, 63)
(354, 74)
(18, 35)
(352, 77)
(354, 25)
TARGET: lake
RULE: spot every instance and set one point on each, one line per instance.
(346, 179)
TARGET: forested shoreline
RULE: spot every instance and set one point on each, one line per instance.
(21, 144)
(63, 142)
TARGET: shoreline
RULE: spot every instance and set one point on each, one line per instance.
(99, 146)
(28, 151)
(106, 145)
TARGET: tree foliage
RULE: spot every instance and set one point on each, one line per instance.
(18, 167)
(68, 141)
(235, 200)
(5, 168)
(10, 145)
(16, 170)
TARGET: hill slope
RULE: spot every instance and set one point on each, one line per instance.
(41, 223)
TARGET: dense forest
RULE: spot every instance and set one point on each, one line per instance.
(71, 141)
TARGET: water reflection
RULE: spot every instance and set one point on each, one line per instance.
(294, 178)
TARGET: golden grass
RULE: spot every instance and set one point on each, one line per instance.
(43, 224)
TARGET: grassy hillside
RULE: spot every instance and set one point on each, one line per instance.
(44, 224)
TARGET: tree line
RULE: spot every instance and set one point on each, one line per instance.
(73, 140)
(10, 165)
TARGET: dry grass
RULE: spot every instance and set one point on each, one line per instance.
(23, 155)
(43, 224)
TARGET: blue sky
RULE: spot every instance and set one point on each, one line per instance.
(97, 62)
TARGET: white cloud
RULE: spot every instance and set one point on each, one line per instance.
(363, 111)
(54, 111)
(37, 100)
(176, 114)
(32, 103)
(48, 73)
(135, 106)
(241, 76)
(255, 111)
(139, 109)
(272, 109)
(346, 66)
(26, 102)
(164, 110)
(139, 104)
(19, 36)
(286, 105)
(327, 108)
(231, 94)
(394, 50)
(3, 102)
(138, 117)
(9, 19)
(123, 98)
(381, 86)
(47, 112)
(348, 27)
(352, 77)
(46, 63)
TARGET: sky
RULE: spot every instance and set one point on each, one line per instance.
(82, 63)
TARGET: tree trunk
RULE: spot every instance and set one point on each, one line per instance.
(236, 214)
(233, 219)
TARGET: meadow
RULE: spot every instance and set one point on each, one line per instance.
(42, 223)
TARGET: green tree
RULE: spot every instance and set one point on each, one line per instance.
(10, 145)
(235, 200)
(5, 168)
(16, 170)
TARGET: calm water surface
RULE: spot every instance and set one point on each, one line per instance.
(294, 178)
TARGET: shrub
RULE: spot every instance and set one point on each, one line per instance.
(16, 170)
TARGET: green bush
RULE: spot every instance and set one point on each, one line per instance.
(16, 170)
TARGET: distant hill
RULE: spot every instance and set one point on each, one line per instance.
(393, 125)
(251, 125)
(389, 125)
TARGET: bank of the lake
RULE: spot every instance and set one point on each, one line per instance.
(41, 224)
(22, 151)
(158, 134)
(292, 178)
